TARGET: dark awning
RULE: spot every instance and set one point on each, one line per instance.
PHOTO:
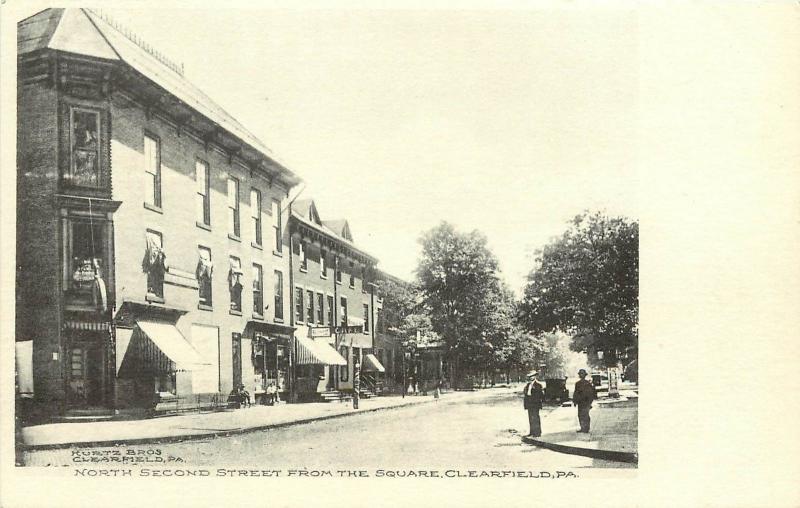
(274, 329)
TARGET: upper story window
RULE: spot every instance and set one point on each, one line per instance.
(204, 273)
(298, 304)
(86, 263)
(343, 311)
(366, 318)
(233, 207)
(331, 311)
(323, 264)
(320, 308)
(338, 269)
(255, 214)
(235, 276)
(278, 294)
(201, 175)
(154, 264)
(152, 170)
(277, 230)
(309, 307)
(258, 290)
(352, 275)
(84, 166)
(303, 253)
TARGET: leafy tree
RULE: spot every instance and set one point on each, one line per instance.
(521, 352)
(399, 301)
(586, 284)
(556, 349)
(463, 296)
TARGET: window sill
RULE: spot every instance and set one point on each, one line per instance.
(278, 320)
(203, 306)
(202, 226)
(323, 276)
(153, 208)
(277, 253)
(256, 246)
(152, 298)
(303, 270)
(234, 237)
(339, 282)
(234, 312)
(259, 317)
(352, 286)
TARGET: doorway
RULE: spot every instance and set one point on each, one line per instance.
(236, 351)
(86, 374)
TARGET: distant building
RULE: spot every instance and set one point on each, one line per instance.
(152, 232)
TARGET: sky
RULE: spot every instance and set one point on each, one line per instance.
(508, 122)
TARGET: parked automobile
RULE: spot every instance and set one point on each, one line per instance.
(600, 380)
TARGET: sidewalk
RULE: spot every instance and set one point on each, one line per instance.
(614, 433)
(204, 425)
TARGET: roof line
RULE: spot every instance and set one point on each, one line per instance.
(83, 11)
(35, 14)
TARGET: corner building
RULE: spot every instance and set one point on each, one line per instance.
(152, 259)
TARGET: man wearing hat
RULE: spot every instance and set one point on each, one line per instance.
(583, 397)
(532, 400)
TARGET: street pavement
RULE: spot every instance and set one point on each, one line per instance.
(479, 429)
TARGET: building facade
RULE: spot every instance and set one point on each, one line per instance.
(334, 307)
(152, 247)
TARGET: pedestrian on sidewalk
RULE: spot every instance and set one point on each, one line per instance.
(437, 392)
(583, 397)
(532, 402)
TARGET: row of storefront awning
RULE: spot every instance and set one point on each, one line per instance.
(158, 346)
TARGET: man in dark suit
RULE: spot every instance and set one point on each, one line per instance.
(532, 401)
(583, 397)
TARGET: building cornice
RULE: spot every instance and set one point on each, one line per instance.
(100, 79)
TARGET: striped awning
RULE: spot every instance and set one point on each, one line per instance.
(312, 352)
(159, 347)
(372, 364)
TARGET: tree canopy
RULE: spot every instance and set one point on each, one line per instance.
(586, 283)
(468, 306)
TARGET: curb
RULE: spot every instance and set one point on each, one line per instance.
(214, 434)
(585, 452)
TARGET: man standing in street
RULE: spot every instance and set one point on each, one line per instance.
(583, 397)
(532, 401)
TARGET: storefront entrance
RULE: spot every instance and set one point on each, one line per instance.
(86, 371)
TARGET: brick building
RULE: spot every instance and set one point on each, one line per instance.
(334, 306)
(152, 243)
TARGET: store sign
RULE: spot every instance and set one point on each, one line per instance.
(319, 331)
(349, 329)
